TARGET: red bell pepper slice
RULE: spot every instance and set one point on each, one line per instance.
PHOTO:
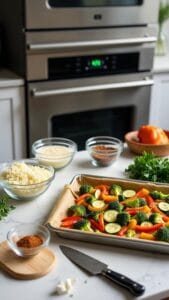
(95, 225)
(148, 228)
(76, 218)
(133, 211)
(69, 221)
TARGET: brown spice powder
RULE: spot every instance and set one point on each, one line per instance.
(30, 241)
(103, 155)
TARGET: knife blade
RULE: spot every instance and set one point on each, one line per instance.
(96, 267)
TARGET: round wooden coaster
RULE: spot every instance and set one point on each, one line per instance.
(26, 268)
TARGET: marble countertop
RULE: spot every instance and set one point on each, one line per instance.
(150, 269)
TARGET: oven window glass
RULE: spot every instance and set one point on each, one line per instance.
(94, 3)
(82, 125)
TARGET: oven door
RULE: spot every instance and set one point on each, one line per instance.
(80, 108)
(43, 14)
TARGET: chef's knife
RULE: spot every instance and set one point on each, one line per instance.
(96, 267)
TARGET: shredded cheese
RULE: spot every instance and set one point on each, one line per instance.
(23, 174)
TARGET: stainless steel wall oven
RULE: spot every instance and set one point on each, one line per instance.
(87, 65)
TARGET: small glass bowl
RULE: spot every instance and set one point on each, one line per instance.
(25, 230)
(55, 152)
(24, 191)
(104, 150)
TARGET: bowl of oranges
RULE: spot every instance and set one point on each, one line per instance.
(150, 139)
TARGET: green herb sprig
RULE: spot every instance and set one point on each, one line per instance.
(5, 206)
(163, 13)
(150, 168)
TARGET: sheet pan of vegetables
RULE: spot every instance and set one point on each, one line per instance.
(114, 211)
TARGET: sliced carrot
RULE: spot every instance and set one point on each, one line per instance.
(132, 223)
(108, 198)
(157, 210)
(123, 230)
(101, 222)
(82, 197)
(103, 188)
(142, 192)
(146, 236)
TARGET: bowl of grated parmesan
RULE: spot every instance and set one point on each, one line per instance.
(56, 152)
(25, 179)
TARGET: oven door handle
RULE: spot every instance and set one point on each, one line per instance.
(87, 44)
(112, 86)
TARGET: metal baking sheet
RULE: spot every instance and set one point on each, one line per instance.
(67, 199)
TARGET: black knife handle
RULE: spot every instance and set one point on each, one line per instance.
(134, 287)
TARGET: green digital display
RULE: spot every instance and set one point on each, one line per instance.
(96, 63)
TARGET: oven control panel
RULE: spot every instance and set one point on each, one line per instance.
(95, 65)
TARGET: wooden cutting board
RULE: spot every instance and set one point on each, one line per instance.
(26, 268)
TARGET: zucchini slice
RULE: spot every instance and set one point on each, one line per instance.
(97, 193)
(110, 215)
(98, 204)
(164, 206)
(146, 224)
(112, 228)
(129, 193)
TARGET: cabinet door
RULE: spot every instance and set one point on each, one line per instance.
(12, 124)
(6, 126)
(159, 113)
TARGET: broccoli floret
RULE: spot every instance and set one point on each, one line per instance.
(157, 195)
(142, 202)
(162, 234)
(133, 203)
(116, 206)
(115, 190)
(141, 217)
(76, 210)
(155, 218)
(121, 197)
(94, 215)
(90, 199)
(86, 188)
(123, 218)
(83, 225)
(130, 233)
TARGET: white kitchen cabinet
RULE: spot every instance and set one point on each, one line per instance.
(12, 117)
(159, 109)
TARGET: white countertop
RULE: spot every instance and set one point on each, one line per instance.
(161, 64)
(150, 269)
(9, 79)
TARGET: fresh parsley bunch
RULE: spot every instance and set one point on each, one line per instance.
(5, 207)
(150, 168)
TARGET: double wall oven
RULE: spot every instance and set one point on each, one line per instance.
(87, 66)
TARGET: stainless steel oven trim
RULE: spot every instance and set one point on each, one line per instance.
(121, 85)
(85, 17)
(88, 44)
